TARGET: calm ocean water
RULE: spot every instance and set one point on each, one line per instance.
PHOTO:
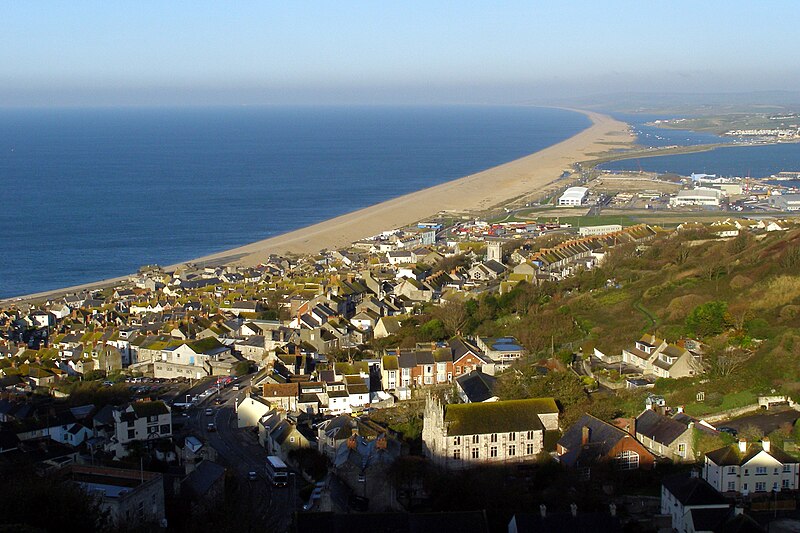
(753, 161)
(90, 194)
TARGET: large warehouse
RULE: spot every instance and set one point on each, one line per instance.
(697, 196)
(573, 196)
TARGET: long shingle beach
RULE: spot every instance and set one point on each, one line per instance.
(477, 192)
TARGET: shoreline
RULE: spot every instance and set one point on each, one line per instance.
(476, 192)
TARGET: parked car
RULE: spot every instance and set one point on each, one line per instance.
(252, 475)
(209, 412)
(211, 427)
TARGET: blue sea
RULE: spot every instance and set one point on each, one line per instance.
(89, 194)
(753, 161)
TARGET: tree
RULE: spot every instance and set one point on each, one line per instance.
(453, 314)
(725, 360)
(433, 330)
(708, 319)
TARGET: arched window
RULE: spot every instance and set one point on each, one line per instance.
(627, 460)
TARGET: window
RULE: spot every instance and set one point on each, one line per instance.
(476, 453)
(775, 485)
(731, 469)
(785, 484)
(530, 434)
(731, 485)
(787, 468)
(475, 439)
(493, 437)
(761, 486)
(493, 451)
(457, 454)
(131, 433)
(457, 441)
(151, 419)
(746, 472)
(512, 451)
(682, 450)
(512, 436)
(529, 449)
(165, 428)
(744, 486)
(775, 471)
(760, 471)
(627, 460)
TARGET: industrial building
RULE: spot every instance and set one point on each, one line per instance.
(574, 196)
(698, 196)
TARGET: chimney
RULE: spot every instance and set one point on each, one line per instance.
(586, 433)
(765, 444)
(680, 408)
(573, 508)
(543, 510)
(612, 508)
(742, 445)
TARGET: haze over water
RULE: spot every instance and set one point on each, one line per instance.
(90, 194)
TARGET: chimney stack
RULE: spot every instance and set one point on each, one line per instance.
(586, 433)
(765, 444)
(612, 508)
(543, 510)
(680, 408)
(573, 508)
(742, 445)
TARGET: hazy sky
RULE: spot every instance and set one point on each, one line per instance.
(197, 52)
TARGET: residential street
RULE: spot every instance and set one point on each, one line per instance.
(239, 450)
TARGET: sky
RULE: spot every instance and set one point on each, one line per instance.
(241, 52)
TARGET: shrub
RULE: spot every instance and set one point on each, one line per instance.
(708, 319)
(788, 312)
(739, 282)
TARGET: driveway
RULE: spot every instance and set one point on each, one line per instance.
(766, 421)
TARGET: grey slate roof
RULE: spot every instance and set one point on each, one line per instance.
(477, 386)
(658, 427)
(693, 491)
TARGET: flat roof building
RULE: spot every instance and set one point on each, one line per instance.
(586, 231)
(786, 202)
(574, 196)
(697, 196)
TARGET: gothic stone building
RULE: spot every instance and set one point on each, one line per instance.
(464, 435)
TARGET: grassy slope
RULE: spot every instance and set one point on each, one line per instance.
(755, 281)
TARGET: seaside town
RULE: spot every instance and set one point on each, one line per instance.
(603, 359)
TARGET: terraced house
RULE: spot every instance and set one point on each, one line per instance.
(464, 435)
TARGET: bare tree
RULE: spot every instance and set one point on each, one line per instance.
(729, 360)
(453, 314)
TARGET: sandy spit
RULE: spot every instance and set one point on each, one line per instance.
(477, 192)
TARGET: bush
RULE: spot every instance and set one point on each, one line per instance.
(714, 399)
(788, 312)
(708, 319)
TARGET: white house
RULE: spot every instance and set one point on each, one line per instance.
(747, 468)
(682, 496)
(250, 409)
